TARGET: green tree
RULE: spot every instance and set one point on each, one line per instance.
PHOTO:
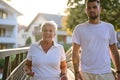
(2, 62)
(76, 13)
(28, 41)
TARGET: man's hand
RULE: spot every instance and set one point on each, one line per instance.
(118, 76)
(78, 76)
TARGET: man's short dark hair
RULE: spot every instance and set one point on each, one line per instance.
(98, 1)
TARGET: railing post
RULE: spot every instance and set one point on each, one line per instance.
(21, 57)
(6, 67)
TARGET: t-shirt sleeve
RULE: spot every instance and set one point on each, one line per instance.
(29, 54)
(113, 37)
(76, 36)
(63, 56)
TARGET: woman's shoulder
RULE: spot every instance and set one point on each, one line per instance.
(58, 44)
(34, 44)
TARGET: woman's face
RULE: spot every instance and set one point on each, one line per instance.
(48, 33)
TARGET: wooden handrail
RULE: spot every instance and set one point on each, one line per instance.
(9, 52)
(13, 57)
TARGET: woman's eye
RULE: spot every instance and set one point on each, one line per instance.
(47, 31)
(50, 31)
(44, 30)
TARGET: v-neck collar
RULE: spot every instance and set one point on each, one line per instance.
(53, 46)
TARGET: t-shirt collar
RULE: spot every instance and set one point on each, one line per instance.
(54, 43)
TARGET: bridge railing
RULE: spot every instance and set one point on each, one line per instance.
(13, 60)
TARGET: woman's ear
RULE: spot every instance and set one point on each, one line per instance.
(55, 34)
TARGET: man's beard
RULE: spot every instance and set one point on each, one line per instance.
(93, 17)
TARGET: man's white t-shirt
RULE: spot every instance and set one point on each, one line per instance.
(46, 66)
(94, 40)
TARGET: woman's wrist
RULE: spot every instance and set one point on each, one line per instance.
(62, 74)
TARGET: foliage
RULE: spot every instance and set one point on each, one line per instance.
(2, 62)
(28, 41)
(37, 37)
(111, 12)
(66, 46)
(112, 65)
(76, 14)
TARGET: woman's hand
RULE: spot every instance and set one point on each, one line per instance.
(28, 71)
(64, 77)
(27, 68)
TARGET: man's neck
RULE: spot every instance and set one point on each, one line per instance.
(97, 21)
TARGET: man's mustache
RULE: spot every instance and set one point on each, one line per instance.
(92, 12)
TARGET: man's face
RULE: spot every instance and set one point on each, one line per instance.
(93, 10)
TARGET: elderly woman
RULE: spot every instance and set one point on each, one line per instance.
(46, 59)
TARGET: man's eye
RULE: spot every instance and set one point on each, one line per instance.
(94, 7)
(88, 8)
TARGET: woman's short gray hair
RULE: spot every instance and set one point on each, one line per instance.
(49, 23)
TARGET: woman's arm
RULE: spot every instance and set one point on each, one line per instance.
(28, 68)
(63, 68)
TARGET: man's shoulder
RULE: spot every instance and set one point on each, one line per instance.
(81, 25)
(107, 23)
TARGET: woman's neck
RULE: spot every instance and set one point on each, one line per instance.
(46, 45)
(46, 42)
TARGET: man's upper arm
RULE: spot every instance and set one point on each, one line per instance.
(113, 48)
(76, 48)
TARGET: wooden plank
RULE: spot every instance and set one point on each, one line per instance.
(9, 52)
